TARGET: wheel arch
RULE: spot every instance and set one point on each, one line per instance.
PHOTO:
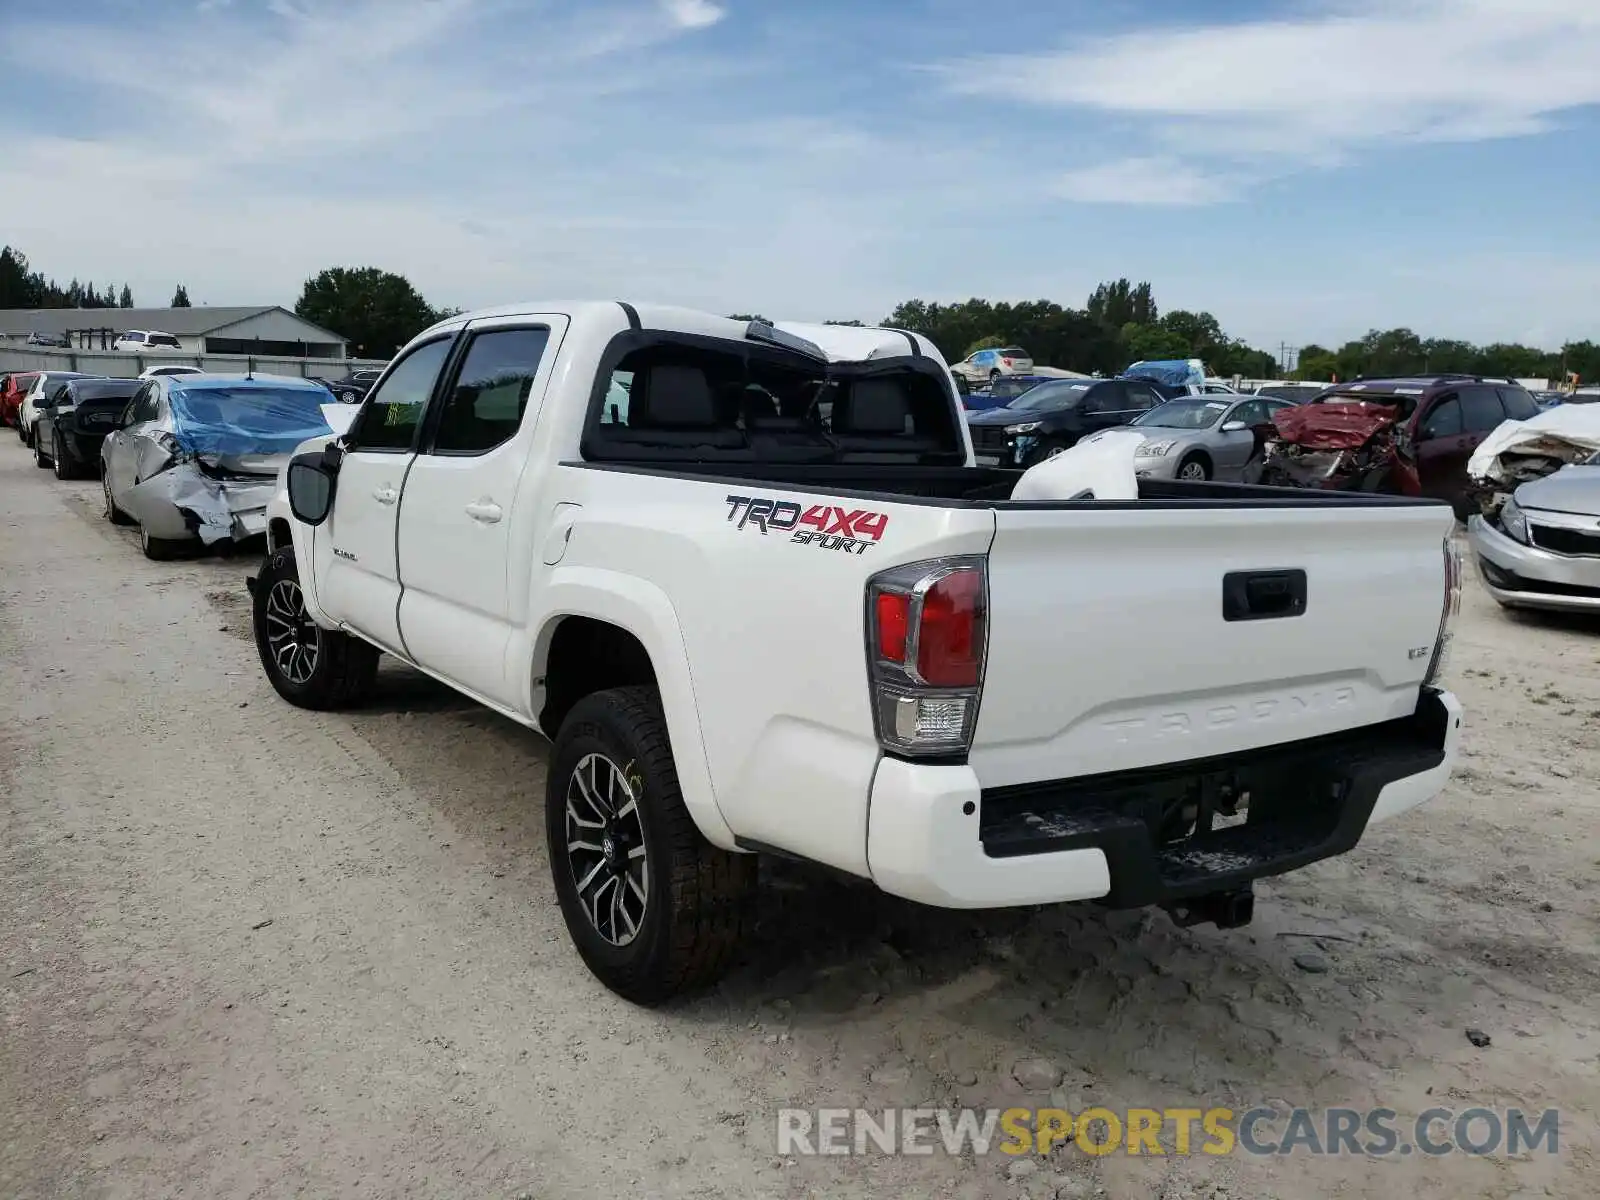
(604, 629)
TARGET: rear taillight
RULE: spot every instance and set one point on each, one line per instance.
(1452, 606)
(927, 638)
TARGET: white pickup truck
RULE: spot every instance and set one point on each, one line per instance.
(749, 581)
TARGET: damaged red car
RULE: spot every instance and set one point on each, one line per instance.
(12, 389)
(1404, 436)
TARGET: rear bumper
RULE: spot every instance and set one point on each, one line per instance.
(935, 836)
(1528, 577)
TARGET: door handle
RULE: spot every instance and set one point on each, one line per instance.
(486, 511)
(385, 495)
(1263, 595)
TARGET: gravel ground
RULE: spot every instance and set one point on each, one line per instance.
(247, 950)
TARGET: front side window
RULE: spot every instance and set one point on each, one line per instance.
(491, 391)
(390, 415)
(1444, 420)
(1519, 405)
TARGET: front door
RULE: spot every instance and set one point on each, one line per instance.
(465, 524)
(1442, 447)
(355, 548)
(1233, 449)
(124, 449)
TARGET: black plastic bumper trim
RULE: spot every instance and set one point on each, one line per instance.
(1315, 798)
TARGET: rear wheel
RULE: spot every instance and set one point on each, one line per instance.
(40, 458)
(1194, 468)
(653, 908)
(160, 549)
(113, 514)
(307, 665)
(65, 467)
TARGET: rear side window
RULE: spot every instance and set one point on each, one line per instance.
(491, 390)
(390, 415)
(1107, 399)
(1481, 409)
(1519, 405)
(1444, 420)
(687, 398)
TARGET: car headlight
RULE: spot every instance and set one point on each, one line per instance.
(1154, 449)
(1027, 427)
(1515, 523)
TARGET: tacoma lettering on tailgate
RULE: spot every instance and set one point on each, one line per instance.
(853, 531)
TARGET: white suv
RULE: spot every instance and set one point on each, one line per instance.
(984, 365)
(145, 339)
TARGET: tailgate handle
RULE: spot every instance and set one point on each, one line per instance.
(1263, 595)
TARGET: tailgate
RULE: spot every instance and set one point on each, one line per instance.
(1109, 648)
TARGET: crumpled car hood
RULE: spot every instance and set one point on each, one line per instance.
(1333, 426)
(1569, 490)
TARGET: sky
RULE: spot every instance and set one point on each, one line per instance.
(1303, 169)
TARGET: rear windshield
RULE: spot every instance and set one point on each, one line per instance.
(1049, 396)
(1184, 414)
(248, 420)
(83, 393)
(676, 397)
(1013, 352)
(1285, 392)
(162, 339)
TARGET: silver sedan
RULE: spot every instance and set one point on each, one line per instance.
(1201, 437)
(1543, 549)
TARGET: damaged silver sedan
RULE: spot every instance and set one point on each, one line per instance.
(194, 458)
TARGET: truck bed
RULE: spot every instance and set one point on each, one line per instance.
(991, 487)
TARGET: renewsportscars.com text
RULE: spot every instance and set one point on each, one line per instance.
(1262, 1131)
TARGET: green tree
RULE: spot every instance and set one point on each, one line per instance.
(851, 324)
(376, 311)
(1201, 333)
(989, 342)
(1316, 364)
(180, 298)
(1146, 342)
(126, 299)
(1117, 303)
(748, 317)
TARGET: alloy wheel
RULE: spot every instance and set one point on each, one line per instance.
(606, 848)
(1192, 471)
(293, 638)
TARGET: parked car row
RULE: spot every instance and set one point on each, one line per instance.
(188, 457)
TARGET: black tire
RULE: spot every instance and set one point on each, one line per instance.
(65, 467)
(1045, 450)
(699, 900)
(342, 669)
(112, 513)
(161, 549)
(40, 459)
(1195, 460)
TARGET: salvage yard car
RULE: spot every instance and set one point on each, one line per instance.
(192, 458)
(1051, 417)
(13, 388)
(69, 433)
(45, 386)
(1406, 436)
(1201, 437)
(773, 606)
(982, 366)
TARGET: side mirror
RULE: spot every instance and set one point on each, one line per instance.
(311, 488)
(1234, 427)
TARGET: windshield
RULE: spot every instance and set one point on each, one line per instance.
(253, 420)
(1184, 414)
(1013, 352)
(1049, 396)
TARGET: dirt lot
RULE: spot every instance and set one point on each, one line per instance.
(249, 950)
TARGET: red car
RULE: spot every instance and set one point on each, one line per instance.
(12, 389)
(1411, 436)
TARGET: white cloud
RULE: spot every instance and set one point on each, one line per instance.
(693, 14)
(1317, 88)
(1154, 181)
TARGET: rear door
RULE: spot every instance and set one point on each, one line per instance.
(356, 560)
(1111, 645)
(467, 515)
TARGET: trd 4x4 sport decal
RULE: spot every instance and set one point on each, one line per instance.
(854, 531)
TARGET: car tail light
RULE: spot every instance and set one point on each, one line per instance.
(927, 639)
(1452, 606)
